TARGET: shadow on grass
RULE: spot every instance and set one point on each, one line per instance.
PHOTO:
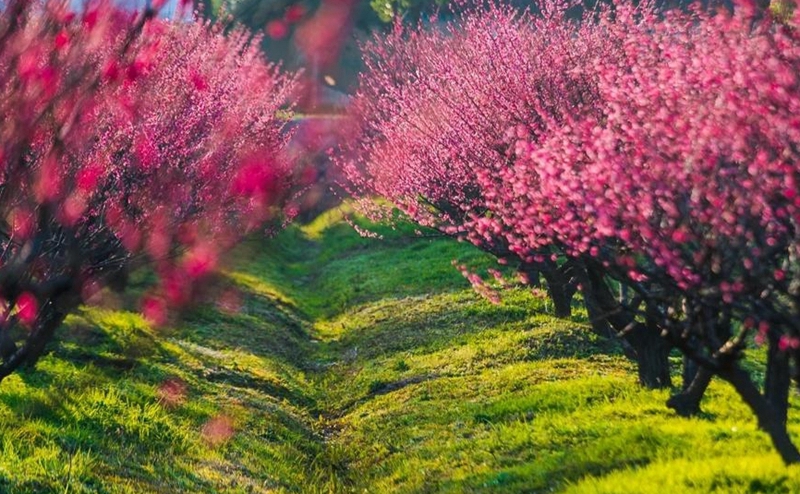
(532, 480)
(329, 268)
(98, 391)
(414, 324)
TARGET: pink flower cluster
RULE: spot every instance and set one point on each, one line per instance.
(662, 144)
(682, 180)
(445, 115)
(657, 148)
(125, 140)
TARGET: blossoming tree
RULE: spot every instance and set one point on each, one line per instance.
(684, 187)
(445, 116)
(125, 140)
(654, 148)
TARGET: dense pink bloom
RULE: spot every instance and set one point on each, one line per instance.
(123, 142)
(27, 308)
(445, 115)
(689, 162)
(657, 148)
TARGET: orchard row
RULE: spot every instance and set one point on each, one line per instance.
(624, 146)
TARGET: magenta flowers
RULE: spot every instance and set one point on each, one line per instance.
(655, 149)
(125, 140)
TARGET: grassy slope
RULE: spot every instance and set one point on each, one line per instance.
(358, 365)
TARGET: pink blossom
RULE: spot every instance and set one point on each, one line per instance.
(27, 308)
(295, 13)
(277, 29)
(154, 309)
(200, 260)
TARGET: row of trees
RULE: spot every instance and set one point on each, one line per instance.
(622, 146)
(652, 149)
(125, 140)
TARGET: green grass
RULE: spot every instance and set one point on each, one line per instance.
(362, 365)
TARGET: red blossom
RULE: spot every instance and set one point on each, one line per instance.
(788, 343)
(61, 39)
(218, 430)
(295, 13)
(154, 310)
(277, 29)
(73, 208)
(87, 178)
(176, 287)
(200, 260)
(27, 308)
(172, 392)
(111, 71)
(22, 223)
(49, 181)
(90, 18)
(198, 81)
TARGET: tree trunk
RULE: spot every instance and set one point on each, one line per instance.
(593, 301)
(44, 334)
(7, 345)
(695, 382)
(769, 419)
(652, 356)
(778, 379)
(558, 288)
(597, 317)
(690, 370)
(642, 342)
(28, 354)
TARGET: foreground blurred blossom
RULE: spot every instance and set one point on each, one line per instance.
(321, 37)
(277, 29)
(230, 301)
(218, 430)
(125, 140)
(172, 391)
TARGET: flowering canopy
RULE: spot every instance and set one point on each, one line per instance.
(442, 111)
(686, 181)
(125, 139)
(659, 146)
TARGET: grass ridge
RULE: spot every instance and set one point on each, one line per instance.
(361, 365)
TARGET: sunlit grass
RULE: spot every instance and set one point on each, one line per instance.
(355, 365)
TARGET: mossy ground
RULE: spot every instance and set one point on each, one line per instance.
(362, 365)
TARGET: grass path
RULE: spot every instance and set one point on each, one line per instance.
(356, 365)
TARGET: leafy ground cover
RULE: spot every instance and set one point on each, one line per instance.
(358, 365)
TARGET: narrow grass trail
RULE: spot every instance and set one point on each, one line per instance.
(361, 365)
(427, 388)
